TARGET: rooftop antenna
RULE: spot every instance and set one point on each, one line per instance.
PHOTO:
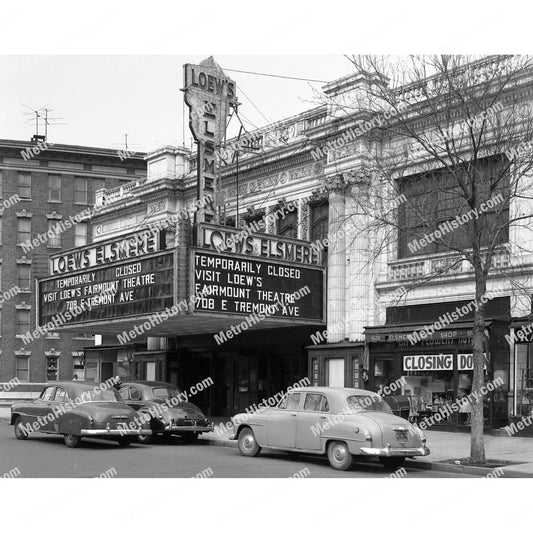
(39, 113)
(126, 143)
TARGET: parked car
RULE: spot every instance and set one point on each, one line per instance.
(343, 423)
(170, 412)
(77, 409)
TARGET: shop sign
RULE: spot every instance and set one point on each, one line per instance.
(428, 363)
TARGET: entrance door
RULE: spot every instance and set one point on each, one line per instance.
(150, 371)
(335, 372)
(107, 371)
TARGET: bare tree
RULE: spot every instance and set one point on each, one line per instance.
(447, 168)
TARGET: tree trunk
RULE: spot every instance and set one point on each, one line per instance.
(477, 444)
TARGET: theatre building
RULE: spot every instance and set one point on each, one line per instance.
(298, 206)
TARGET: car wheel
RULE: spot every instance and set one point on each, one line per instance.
(339, 456)
(20, 432)
(72, 441)
(189, 437)
(248, 444)
(392, 463)
(144, 439)
(124, 442)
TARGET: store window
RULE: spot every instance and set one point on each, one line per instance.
(78, 361)
(54, 188)
(24, 277)
(23, 368)
(524, 379)
(51, 368)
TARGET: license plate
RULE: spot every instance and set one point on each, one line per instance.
(401, 436)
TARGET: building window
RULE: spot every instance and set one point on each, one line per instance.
(80, 190)
(97, 184)
(80, 234)
(434, 199)
(24, 230)
(23, 368)
(54, 239)
(24, 185)
(24, 277)
(288, 226)
(51, 368)
(54, 188)
(23, 321)
(0, 184)
(319, 226)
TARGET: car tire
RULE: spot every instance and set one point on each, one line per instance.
(248, 444)
(124, 442)
(144, 439)
(339, 456)
(392, 463)
(20, 432)
(72, 441)
(189, 438)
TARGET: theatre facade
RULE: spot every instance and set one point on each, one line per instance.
(242, 262)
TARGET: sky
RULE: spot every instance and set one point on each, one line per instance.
(100, 98)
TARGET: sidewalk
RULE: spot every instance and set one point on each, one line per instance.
(444, 446)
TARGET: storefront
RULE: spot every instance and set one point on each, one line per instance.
(436, 373)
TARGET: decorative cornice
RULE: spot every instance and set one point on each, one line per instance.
(22, 352)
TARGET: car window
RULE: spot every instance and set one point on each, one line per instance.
(316, 402)
(124, 393)
(165, 392)
(366, 402)
(135, 394)
(283, 403)
(48, 394)
(293, 401)
(61, 395)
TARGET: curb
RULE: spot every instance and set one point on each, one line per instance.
(509, 472)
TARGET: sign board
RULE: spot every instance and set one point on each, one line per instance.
(222, 238)
(235, 284)
(126, 288)
(209, 93)
(130, 246)
(435, 362)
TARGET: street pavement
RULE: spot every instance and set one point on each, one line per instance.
(47, 456)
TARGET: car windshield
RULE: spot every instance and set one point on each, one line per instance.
(367, 402)
(99, 395)
(165, 392)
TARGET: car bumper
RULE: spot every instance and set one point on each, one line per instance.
(396, 452)
(174, 428)
(113, 432)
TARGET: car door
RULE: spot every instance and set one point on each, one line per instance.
(39, 407)
(56, 405)
(282, 420)
(310, 421)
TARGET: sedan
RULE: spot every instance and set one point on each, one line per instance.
(341, 423)
(167, 408)
(77, 409)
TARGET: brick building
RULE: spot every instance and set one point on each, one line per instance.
(43, 185)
